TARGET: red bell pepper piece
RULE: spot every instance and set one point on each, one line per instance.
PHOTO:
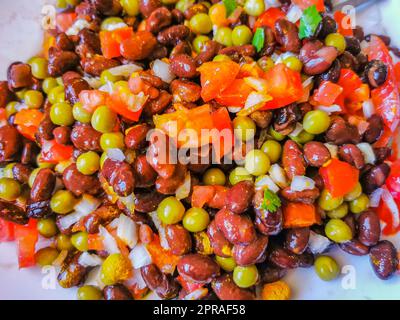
(91, 99)
(343, 22)
(235, 95)
(222, 122)
(119, 103)
(65, 20)
(26, 237)
(339, 177)
(386, 216)
(284, 86)
(349, 81)
(327, 93)
(216, 76)
(28, 121)
(386, 98)
(6, 231)
(111, 41)
(304, 4)
(54, 152)
(268, 18)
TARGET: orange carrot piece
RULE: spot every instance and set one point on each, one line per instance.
(299, 215)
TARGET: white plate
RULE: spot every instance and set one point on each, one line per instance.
(20, 38)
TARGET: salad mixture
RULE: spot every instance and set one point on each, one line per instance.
(288, 113)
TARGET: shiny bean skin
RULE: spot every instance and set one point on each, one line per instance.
(296, 240)
(287, 36)
(376, 72)
(117, 292)
(10, 142)
(179, 239)
(61, 61)
(159, 104)
(327, 26)
(172, 35)
(352, 154)
(73, 88)
(374, 130)
(165, 286)
(72, 273)
(252, 253)
(185, 91)
(332, 74)
(269, 42)
(5, 94)
(146, 7)
(238, 229)
(293, 160)
(341, 132)
(226, 289)
(375, 177)
(63, 42)
(79, 183)
(92, 223)
(62, 135)
(13, 213)
(38, 209)
(219, 243)
(144, 173)
(43, 185)
(138, 47)
(354, 247)
(95, 65)
(21, 172)
(306, 196)
(29, 152)
(262, 118)
(384, 260)
(316, 154)
(198, 268)
(285, 119)
(135, 137)
(287, 260)
(369, 228)
(120, 176)
(183, 66)
(168, 186)
(147, 202)
(271, 274)
(316, 57)
(158, 19)
(85, 138)
(19, 75)
(239, 197)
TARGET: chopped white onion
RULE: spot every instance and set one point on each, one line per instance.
(330, 109)
(136, 280)
(307, 82)
(362, 126)
(257, 84)
(375, 198)
(89, 260)
(114, 224)
(94, 278)
(72, 218)
(93, 82)
(161, 229)
(368, 152)
(266, 182)
(318, 243)
(183, 190)
(87, 204)
(127, 231)
(139, 256)
(110, 245)
(234, 109)
(196, 294)
(128, 202)
(301, 183)
(108, 87)
(162, 70)
(392, 206)
(368, 108)
(43, 243)
(255, 99)
(297, 130)
(58, 262)
(294, 14)
(125, 70)
(114, 26)
(115, 154)
(278, 175)
(77, 26)
(280, 58)
(333, 149)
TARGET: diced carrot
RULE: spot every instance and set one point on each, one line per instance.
(95, 242)
(299, 215)
(278, 290)
(202, 195)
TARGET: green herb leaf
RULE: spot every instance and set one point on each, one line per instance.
(309, 22)
(271, 201)
(230, 6)
(258, 39)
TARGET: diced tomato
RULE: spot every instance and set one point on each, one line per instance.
(354, 102)
(216, 76)
(127, 104)
(339, 177)
(327, 93)
(111, 41)
(202, 195)
(6, 231)
(91, 99)
(304, 4)
(349, 81)
(137, 85)
(222, 122)
(284, 85)
(387, 217)
(218, 200)
(250, 70)
(64, 21)
(268, 18)
(26, 237)
(397, 73)
(235, 95)
(343, 22)
(386, 98)
(54, 152)
(28, 121)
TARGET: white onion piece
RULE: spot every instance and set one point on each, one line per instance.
(368, 108)
(318, 243)
(283, 56)
(110, 245)
(160, 228)
(94, 82)
(58, 262)
(94, 278)
(333, 149)
(375, 198)
(128, 202)
(278, 175)
(136, 280)
(368, 152)
(234, 109)
(77, 26)
(127, 231)
(43, 243)
(301, 183)
(89, 260)
(257, 84)
(115, 154)
(196, 294)
(139, 256)
(125, 70)
(162, 70)
(294, 14)
(266, 182)
(256, 99)
(114, 26)
(307, 82)
(330, 109)
(114, 224)
(87, 204)
(108, 87)
(392, 206)
(183, 190)
(72, 218)
(297, 130)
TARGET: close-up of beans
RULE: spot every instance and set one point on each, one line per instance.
(90, 127)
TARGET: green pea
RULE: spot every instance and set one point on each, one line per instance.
(89, 293)
(11, 108)
(131, 7)
(201, 23)
(33, 99)
(61, 4)
(112, 140)
(55, 94)
(47, 227)
(275, 134)
(8, 170)
(293, 63)
(224, 36)
(10, 189)
(62, 202)
(327, 202)
(196, 219)
(213, 177)
(103, 119)
(222, 57)
(316, 122)
(115, 268)
(336, 40)
(80, 241)
(239, 174)
(303, 137)
(241, 35)
(39, 67)
(49, 84)
(254, 7)
(354, 194)
(20, 94)
(106, 76)
(272, 149)
(183, 5)
(227, 264)
(257, 162)
(61, 114)
(43, 164)
(170, 210)
(359, 204)
(46, 256)
(80, 114)
(199, 42)
(338, 231)
(245, 128)
(63, 242)
(110, 23)
(338, 213)
(88, 163)
(326, 268)
(245, 277)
